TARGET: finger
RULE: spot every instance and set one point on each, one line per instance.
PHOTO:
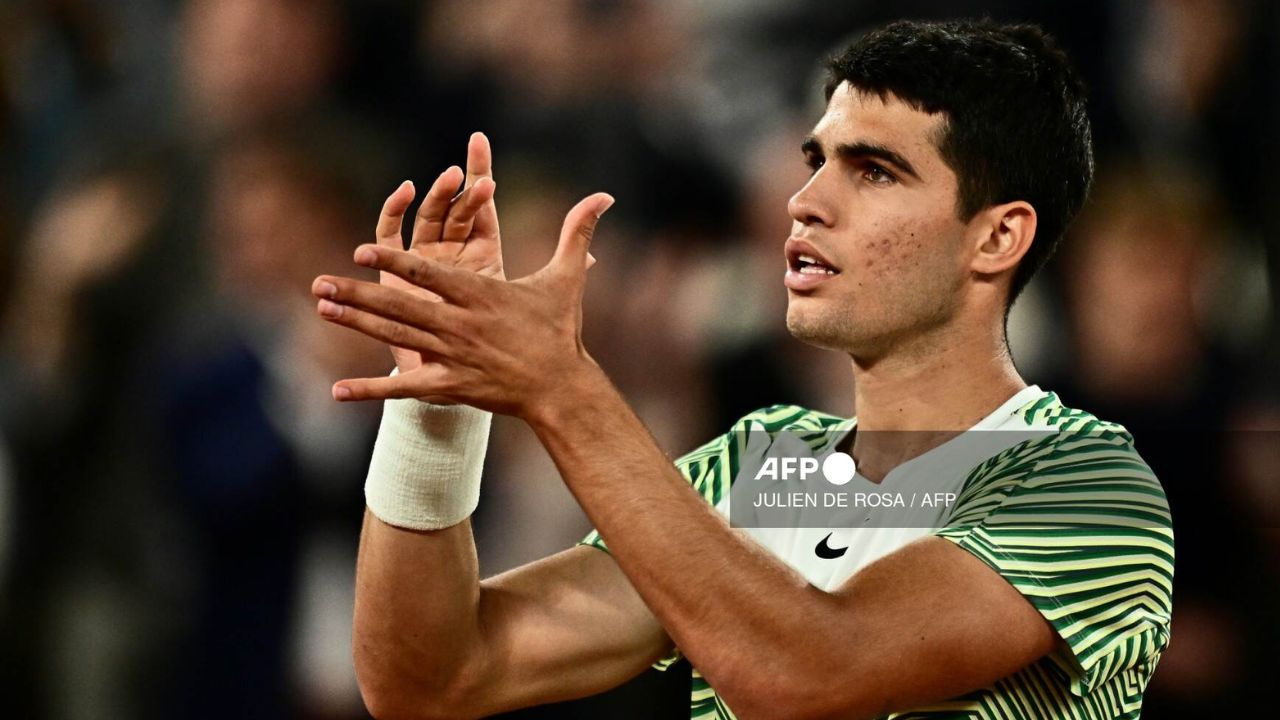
(435, 206)
(462, 214)
(393, 333)
(428, 380)
(390, 303)
(391, 221)
(479, 158)
(575, 234)
(458, 286)
(480, 165)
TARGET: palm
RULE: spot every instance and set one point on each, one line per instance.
(481, 253)
(461, 232)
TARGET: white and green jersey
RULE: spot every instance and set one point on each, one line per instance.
(1059, 503)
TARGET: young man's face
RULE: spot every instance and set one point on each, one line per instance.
(880, 213)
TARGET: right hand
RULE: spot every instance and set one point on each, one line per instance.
(461, 232)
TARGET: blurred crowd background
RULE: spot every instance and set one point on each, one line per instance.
(179, 496)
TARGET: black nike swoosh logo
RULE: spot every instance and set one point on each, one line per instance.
(826, 552)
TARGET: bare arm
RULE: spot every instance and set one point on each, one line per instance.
(431, 640)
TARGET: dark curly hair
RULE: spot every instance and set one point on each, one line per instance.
(1016, 126)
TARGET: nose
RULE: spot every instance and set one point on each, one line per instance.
(806, 206)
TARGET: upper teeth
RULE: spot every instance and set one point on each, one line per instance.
(812, 266)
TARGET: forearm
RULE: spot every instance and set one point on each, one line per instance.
(416, 613)
(416, 626)
(729, 605)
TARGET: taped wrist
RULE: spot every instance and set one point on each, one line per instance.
(426, 465)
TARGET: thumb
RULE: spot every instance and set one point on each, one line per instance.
(575, 234)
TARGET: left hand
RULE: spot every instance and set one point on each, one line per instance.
(502, 346)
(461, 232)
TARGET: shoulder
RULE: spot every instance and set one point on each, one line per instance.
(1048, 412)
(1062, 435)
(1072, 459)
(1079, 441)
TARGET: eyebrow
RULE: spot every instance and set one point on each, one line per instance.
(859, 150)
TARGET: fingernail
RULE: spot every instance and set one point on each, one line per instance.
(608, 203)
(365, 256)
(327, 289)
(330, 309)
(341, 392)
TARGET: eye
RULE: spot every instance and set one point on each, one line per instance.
(815, 162)
(878, 175)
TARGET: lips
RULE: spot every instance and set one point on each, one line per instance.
(806, 267)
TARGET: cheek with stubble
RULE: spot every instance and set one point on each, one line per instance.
(924, 284)
(894, 281)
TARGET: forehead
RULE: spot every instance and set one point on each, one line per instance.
(854, 116)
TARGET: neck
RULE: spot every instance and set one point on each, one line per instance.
(937, 387)
(948, 381)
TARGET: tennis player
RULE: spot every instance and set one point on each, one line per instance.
(949, 161)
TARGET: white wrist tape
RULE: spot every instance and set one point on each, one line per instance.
(426, 465)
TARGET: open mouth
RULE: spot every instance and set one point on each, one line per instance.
(810, 265)
(806, 267)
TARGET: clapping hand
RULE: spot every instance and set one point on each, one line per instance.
(460, 331)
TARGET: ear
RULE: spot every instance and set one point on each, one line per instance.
(1002, 234)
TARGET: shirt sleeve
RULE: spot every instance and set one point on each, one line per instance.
(1081, 527)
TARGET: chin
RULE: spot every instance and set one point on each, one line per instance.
(816, 328)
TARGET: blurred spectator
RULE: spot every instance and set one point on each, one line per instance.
(94, 280)
(83, 236)
(247, 62)
(1194, 77)
(267, 467)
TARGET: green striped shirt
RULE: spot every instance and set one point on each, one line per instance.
(1073, 518)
